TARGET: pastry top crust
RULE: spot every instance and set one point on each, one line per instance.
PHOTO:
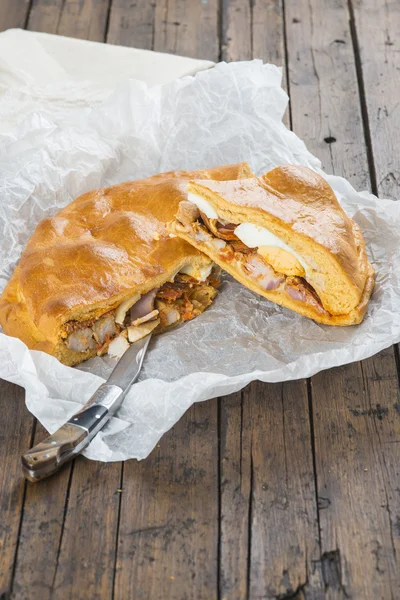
(100, 249)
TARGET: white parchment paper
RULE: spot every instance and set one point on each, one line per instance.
(225, 115)
(56, 74)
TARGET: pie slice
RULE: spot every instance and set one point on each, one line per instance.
(285, 236)
(105, 271)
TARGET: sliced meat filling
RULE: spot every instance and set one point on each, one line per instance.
(223, 230)
(181, 300)
(185, 298)
(249, 260)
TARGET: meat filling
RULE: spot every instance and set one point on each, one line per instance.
(222, 230)
(181, 300)
(253, 265)
(185, 298)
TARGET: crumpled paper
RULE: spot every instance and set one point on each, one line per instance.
(54, 74)
(230, 113)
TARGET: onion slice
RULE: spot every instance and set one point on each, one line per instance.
(150, 317)
(139, 332)
(123, 308)
(144, 306)
(118, 346)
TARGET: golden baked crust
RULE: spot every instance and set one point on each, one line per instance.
(99, 250)
(298, 206)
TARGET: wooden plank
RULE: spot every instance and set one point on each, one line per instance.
(132, 24)
(84, 19)
(45, 16)
(168, 538)
(375, 30)
(187, 28)
(268, 31)
(284, 528)
(355, 474)
(376, 26)
(235, 492)
(236, 30)
(268, 501)
(255, 30)
(357, 437)
(85, 564)
(325, 103)
(13, 13)
(15, 436)
(40, 534)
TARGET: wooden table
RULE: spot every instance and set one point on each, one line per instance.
(282, 491)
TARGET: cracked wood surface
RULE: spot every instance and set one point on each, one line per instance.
(87, 20)
(281, 491)
(168, 536)
(376, 27)
(354, 407)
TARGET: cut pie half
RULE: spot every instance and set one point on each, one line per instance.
(285, 236)
(105, 271)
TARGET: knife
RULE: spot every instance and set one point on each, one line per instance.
(46, 458)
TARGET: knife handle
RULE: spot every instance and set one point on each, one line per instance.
(46, 458)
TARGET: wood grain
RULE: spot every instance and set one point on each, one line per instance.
(86, 559)
(380, 375)
(67, 540)
(268, 35)
(357, 433)
(236, 30)
(84, 19)
(235, 495)
(45, 16)
(253, 30)
(354, 528)
(262, 21)
(15, 437)
(132, 24)
(168, 537)
(268, 495)
(284, 546)
(187, 28)
(13, 13)
(40, 534)
(376, 35)
(325, 102)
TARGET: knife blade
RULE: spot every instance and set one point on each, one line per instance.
(46, 458)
